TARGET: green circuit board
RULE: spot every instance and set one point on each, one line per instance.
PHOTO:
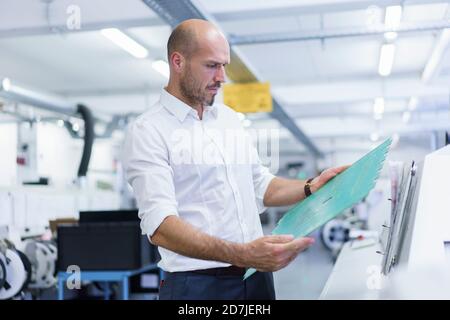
(338, 194)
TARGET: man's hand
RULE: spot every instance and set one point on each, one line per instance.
(272, 253)
(325, 176)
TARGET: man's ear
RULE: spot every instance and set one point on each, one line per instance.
(177, 62)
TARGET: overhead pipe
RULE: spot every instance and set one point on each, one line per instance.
(37, 99)
(58, 105)
(291, 36)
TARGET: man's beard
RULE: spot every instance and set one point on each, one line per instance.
(194, 92)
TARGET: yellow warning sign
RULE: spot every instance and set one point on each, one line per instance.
(248, 97)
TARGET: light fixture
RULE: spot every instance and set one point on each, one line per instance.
(246, 123)
(390, 35)
(412, 104)
(75, 127)
(393, 17)
(125, 42)
(386, 59)
(162, 67)
(374, 137)
(6, 84)
(60, 123)
(378, 108)
(406, 116)
(395, 140)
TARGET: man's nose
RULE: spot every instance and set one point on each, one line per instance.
(220, 74)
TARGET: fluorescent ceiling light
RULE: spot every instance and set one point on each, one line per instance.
(378, 106)
(125, 42)
(6, 84)
(393, 17)
(406, 116)
(387, 54)
(390, 36)
(395, 140)
(412, 104)
(374, 136)
(162, 67)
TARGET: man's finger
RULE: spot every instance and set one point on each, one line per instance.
(280, 238)
(298, 244)
(341, 168)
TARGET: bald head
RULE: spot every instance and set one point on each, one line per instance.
(197, 54)
(188, 36)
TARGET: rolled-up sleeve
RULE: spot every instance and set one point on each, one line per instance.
(146, 163)
(261, 179)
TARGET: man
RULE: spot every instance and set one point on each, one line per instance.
(203, 215)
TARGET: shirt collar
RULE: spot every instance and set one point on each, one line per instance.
(174, 105)
(180, 109)
(213, 109)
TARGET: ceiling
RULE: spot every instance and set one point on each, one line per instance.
(327, 83)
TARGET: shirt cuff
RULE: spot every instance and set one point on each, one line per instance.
(151, 220)
(262, 191)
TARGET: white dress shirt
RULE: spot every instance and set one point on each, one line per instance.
(206, 171)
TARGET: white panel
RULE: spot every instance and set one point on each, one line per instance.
(357, 90)
(233, 5)
(412, 53)
(19, 209)
(155, 38)
(309, 22)
(425, 12)
(261, 26)
(282, 63)
(58, 154)
(60, 205)
(6, 208)
(32, 13)
(8, 149)
(432, 221)
(37, 213)
(345, 57)
(356, 18)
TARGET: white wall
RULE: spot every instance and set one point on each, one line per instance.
(58, 154)
(58, 157)
(104, 162)
(8, 151)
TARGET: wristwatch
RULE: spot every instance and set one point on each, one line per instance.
(308, 187)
